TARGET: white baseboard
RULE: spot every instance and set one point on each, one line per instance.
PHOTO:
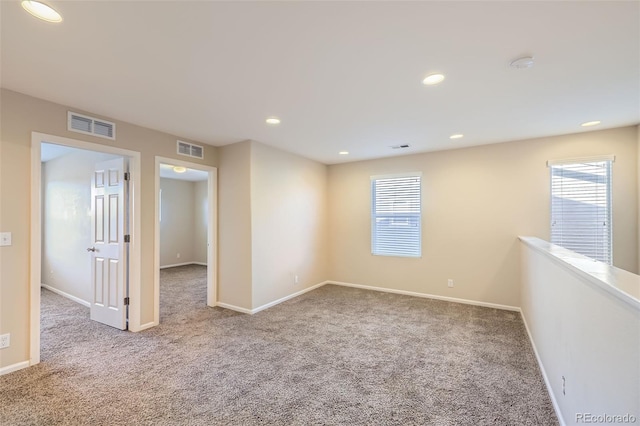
(283, 299)
(270, 304)
(14, 367)
(66, 295)
(145, 326)
(234, 308)
(547, 383)
(182, 264)
(428, 296)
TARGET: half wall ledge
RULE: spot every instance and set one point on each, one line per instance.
(620, 283)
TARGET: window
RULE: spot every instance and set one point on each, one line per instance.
(581, 207)
(396, 215)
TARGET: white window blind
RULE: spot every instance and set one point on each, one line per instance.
(396, 216)
(581, 207)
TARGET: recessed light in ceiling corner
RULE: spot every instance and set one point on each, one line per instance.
(432, 79)
(590, 123)
(456, 136)
(274, 121)
(344, 153)
(41, 11)
(521, 63)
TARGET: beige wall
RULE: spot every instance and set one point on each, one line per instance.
(22, 115)
(66, 222)
(177, 223)
(475, 201)
(234, 228)
(638, 194)
(288, 223)
(183, 228)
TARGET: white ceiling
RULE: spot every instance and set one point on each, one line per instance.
(192, 175)
(340, 75)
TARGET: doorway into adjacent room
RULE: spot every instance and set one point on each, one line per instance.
(83, 197)
(185, 234)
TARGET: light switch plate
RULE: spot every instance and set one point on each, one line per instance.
(5, 239)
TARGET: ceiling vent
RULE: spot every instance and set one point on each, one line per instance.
(400, 146)
(190, 150)
(90, 126)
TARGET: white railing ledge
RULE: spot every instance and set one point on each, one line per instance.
(618, 282)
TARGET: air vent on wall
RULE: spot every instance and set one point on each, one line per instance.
(190, 150)
(90, 126)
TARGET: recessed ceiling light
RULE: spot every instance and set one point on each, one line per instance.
(179, 169)
(273, 121)
(41, 11)
(344, 153)
(433, 79)
(456, 136)
(522, 63)
(591, 123)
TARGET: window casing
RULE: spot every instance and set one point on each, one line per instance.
(396, 228)
(581, 207)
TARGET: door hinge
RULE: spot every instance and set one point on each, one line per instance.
(127, 176)
(127, 238)
(126, 301)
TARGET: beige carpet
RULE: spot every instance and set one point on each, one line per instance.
(334, 356)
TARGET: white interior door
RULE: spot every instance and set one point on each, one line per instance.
(108, 250)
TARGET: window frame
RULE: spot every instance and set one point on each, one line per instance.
(603, 250)
(380, 249)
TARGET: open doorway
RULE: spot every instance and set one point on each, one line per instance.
(66, 225)
(186, 227)
(60, 211)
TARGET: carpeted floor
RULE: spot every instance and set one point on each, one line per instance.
(333, 356)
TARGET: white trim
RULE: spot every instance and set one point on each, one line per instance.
(615, 281)
(147, 325)
(66, 295)
(397, 175)
(284, 299)
(212, 242)
(234, 308)
(610, 157)
(183, 264)
(35, 229)
(429, 296)
(35, 247)
(14, 367)
(547, 383)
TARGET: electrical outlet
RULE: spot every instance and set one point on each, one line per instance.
(5, 239)
(295, 280)
(450, 282)
(178, 255)
(5, 340)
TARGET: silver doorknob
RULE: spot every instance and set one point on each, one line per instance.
(91, 249)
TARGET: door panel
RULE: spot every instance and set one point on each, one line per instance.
(108, 247)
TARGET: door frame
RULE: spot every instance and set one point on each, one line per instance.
(212, 228)
(37, 139)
